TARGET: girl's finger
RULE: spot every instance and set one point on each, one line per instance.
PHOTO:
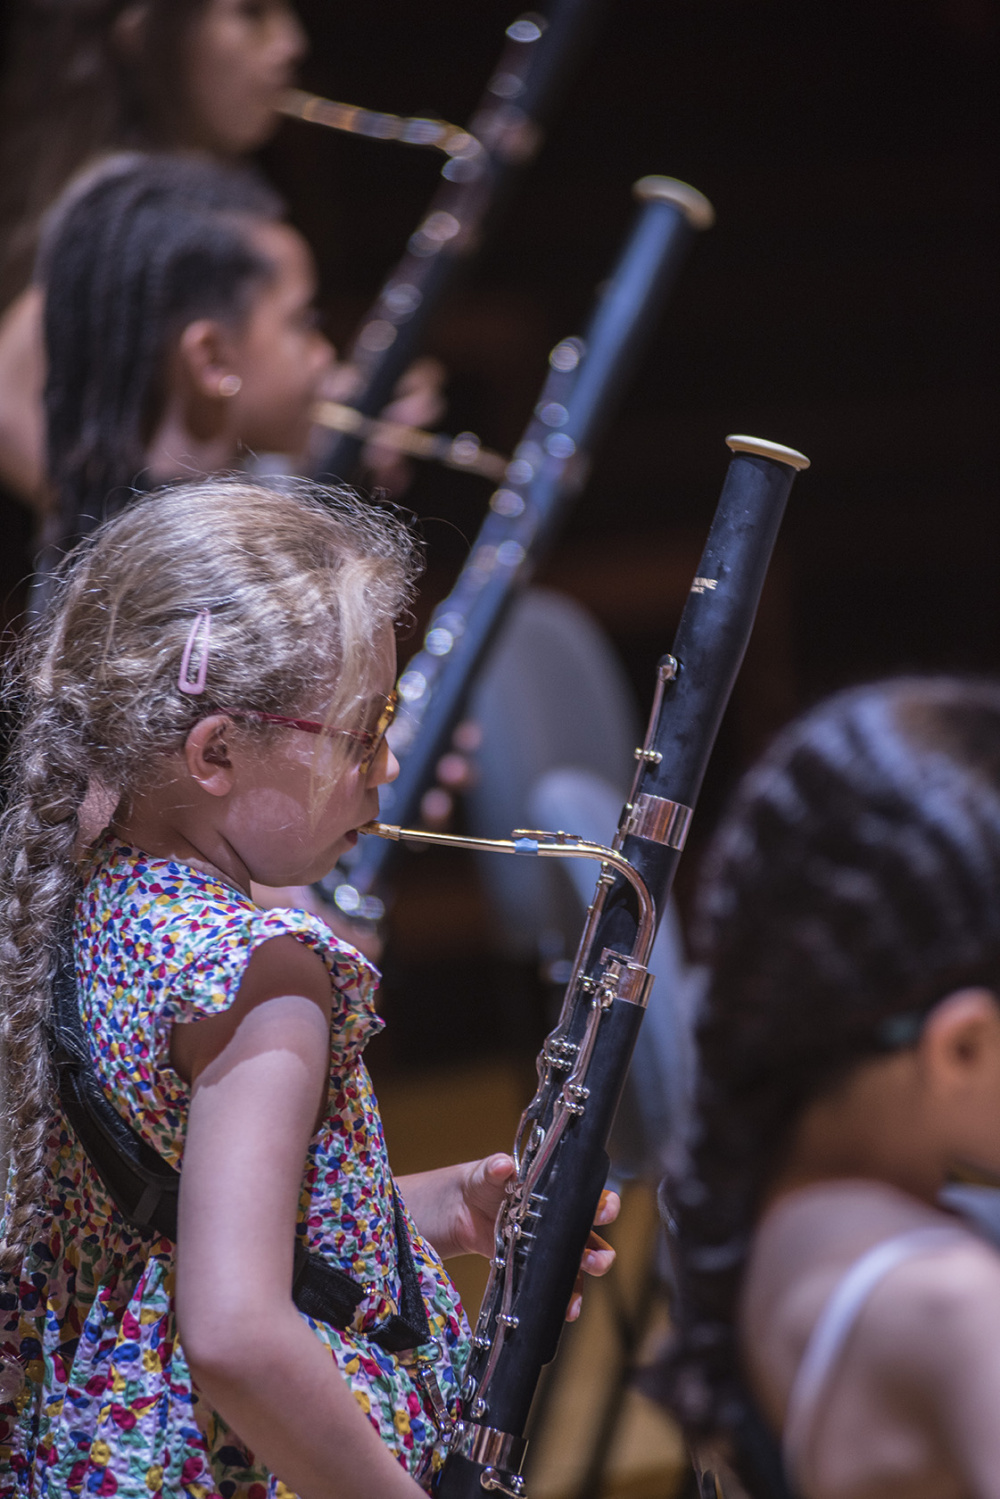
(594, 1241)
(608, 1208)
(597, 1261)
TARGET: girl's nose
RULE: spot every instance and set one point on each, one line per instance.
(386, 766)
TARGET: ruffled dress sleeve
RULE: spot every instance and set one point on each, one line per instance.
(158, 943)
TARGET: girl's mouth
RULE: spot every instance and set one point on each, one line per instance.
(351, 838)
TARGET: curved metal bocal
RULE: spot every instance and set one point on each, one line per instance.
(533, 842)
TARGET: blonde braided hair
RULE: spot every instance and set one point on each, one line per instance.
(299, 581)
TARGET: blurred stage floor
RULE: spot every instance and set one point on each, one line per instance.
(469, 1110)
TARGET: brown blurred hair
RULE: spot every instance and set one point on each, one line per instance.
(71, 90)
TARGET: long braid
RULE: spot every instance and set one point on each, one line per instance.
(36, 854)
(854, 883)
(143, 246)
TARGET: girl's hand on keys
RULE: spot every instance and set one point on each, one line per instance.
(483, 1194)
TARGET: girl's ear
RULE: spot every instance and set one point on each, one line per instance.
(207, 355)
(960, 1040)
(206, 752)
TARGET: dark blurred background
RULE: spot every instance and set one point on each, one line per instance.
(844, 303)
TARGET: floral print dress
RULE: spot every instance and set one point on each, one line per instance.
(99, 1398)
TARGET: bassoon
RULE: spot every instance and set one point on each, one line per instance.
(503, 135)
(586, 380)
(560, 1151)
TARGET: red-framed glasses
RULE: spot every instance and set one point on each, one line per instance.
(371, 739)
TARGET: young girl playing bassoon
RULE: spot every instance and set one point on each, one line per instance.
(850, 1052)
(222, 655)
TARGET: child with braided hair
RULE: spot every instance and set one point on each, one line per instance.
(850, 1066)
(180, 332)
(223, 655)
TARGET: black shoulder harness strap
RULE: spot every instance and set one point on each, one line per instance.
(144, 1187)
(753, 1455)
(757, 1455)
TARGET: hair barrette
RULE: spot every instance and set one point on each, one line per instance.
(202, 625)
(897, 1032)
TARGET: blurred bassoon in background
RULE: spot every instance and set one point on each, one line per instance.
(586, 380)
(503, 135)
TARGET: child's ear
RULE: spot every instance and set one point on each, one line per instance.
(206, 751)
(207, 354)
(961, 1037)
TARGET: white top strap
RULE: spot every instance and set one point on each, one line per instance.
(833, 1327)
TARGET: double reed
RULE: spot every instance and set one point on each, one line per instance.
(375, 125)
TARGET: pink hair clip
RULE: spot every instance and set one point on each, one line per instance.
(195, 687)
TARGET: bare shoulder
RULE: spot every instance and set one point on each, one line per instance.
(808, 1238)
(808, 1241)
(283, 965)
(930, 1335)
(279, 969)
(947, 1279)
(938, 1313)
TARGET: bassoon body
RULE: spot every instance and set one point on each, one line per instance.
(503, 135)
(586, 380)
(561, 1145)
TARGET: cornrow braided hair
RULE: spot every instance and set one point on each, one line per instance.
(300, 583)
(854, 883)
(137, 249)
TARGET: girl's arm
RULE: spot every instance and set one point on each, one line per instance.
(455, 1208)
(259, 1078)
